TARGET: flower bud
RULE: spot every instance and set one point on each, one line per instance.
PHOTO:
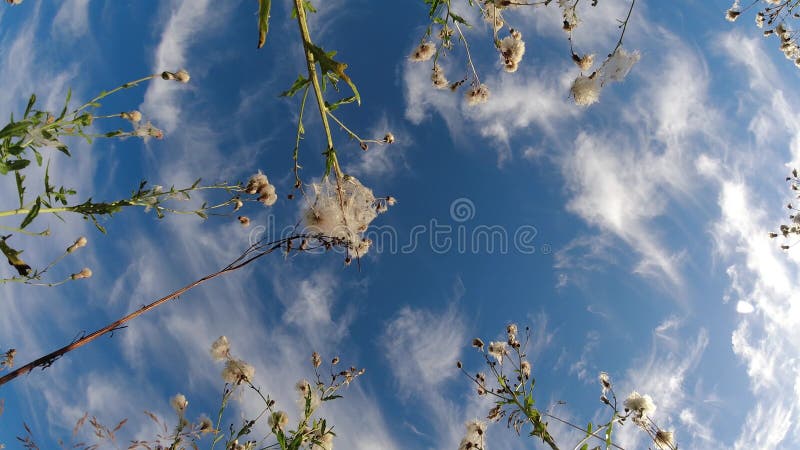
(85, 273)
(182, 76)
(80, 242)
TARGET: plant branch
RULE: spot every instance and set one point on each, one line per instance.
(251, 254)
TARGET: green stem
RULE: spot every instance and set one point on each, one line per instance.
(300, 132)
(14, 212)
(312, 75)
(104, 94)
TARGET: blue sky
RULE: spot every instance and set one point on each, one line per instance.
(651, 211)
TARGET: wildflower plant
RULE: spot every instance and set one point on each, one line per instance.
(791, 229)
(774, 17)
(445, 26)
(30, 139)
(510, 383)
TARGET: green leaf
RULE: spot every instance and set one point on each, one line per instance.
(30, 105)
(458, 19)
(66, 105)
(15, 150)
(3, 168)
(13, 257)
(263, 21)
(344, 101)
(18, 164)
(32, 213)
(608, 434)
(15, 129)
(328, 64)
(38, 157)
(298, 84)
(20, 188)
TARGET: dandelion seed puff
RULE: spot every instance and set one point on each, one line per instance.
(278, 419)
(182, 76)
(641, 405)
(423, 52)
(179, 403)
(585, 90)
(584, 62)
(476, 430)
(237, 371)
(477, 95)
(438, 78)
(511, 330)
(510, 66)
(220, 349)
(664, 439)
(267, 195)
(256, 183)
(346, 217)
(493, 15)
(497, 350)
(525, 368)
(605, 381)
(619, 64)
(512, 49)
(205, 425)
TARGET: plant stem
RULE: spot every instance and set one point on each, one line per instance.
(104, 94)
(14, 212)
(312, 75)
(251, 254)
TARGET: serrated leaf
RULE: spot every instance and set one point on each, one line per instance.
(328, 64)
(337, 104)
(263, 21)
(298, 84)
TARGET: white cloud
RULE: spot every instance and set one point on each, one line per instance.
(422, 347)
(186, 20)
(72, 18)
(664, 374)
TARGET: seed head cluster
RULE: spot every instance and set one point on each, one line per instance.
(343, 210)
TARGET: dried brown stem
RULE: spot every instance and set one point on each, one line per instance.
(251, 254)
